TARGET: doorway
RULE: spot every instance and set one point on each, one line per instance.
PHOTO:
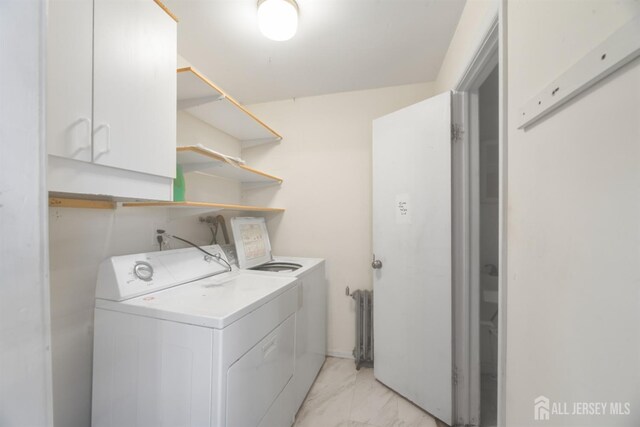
(487, 210)
(478, 233)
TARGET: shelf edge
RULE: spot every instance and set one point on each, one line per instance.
(59, 202)
(230, 99)
(166, 10)
(205, 153)
(205, 205)
(274, 178)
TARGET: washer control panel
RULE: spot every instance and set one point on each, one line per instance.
(129, 276)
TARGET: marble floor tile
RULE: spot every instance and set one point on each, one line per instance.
(329, 400)
(372, 402)
(333, 375)
(409, 415)
(344, 397)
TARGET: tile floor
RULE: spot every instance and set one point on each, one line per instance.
(344, 397)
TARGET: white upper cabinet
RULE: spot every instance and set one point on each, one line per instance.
(69, 76)
(134, 87)
(111, 89)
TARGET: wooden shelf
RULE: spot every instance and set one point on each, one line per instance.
(62, 202)
(206, 101)
(166, 10)
(195, 158)
(203, 205)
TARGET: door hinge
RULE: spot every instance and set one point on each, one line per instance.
(454, 376)
(456, 132)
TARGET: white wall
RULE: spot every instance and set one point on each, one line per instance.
(573, 221)
(475, 19)
(81, 238)
(25, 357)
(325, 160)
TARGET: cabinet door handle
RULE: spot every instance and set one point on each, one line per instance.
(107, 148)
(269, 346)
(86, 146)
(88, 122)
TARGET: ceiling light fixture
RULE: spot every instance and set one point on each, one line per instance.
(278, 19)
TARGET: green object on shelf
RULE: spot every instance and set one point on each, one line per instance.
(178, 185)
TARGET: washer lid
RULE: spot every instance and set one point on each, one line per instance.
(214, 302)
(252, 241)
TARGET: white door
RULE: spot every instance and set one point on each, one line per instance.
(134, 87)
(412, 239)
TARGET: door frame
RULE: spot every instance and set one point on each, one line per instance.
(488, 54)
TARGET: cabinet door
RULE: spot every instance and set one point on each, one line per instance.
(134, 98)
(69, 74)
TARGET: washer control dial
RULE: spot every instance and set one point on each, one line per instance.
(143, 271)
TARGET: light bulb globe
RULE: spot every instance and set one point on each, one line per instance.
(278, 19)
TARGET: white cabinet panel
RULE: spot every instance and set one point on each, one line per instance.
(134, 87)
(150, 372)
(70, 176)
(311, 331)
(69, 74)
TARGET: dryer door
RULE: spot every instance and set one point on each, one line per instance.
(257, 378)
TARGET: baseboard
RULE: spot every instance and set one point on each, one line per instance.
(340, 354)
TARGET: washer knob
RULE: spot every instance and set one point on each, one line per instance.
(143, 271)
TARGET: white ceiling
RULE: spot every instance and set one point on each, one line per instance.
(341, 45)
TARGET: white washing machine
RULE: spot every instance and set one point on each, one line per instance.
(179, 341)
(252, 253)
